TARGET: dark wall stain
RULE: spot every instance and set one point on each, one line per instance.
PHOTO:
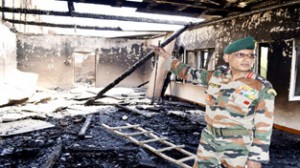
(28, 55)
(49, 56)
(68, 49)
(122, 55)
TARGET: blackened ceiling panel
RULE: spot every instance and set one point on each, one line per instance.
(193, 8)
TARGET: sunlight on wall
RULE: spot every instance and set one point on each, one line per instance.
(264, 62)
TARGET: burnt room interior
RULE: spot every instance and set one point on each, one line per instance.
(80, 84)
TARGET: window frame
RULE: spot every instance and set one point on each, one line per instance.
(293, 77)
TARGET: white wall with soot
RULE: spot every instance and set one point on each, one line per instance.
(8, 56)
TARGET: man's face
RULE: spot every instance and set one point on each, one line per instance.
(241, 60)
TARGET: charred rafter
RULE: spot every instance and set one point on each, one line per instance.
(116, 3)
(63, 25)
(71, 7)
(90, 15)
(192, 8)
(78, 26)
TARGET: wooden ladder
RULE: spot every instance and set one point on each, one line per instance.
(153, 138)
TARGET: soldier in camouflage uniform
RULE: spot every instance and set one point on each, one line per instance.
(239, 110)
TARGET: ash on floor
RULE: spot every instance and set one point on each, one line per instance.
(61, 147)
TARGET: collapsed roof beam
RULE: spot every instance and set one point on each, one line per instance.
(91, 15)
(63, 25)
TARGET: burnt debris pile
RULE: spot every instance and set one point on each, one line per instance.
(42, 133)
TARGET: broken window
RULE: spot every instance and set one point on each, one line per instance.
(294, 93)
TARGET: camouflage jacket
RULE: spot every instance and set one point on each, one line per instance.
(246, 103)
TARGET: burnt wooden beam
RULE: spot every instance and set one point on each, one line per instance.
(203, 4)
(136, 111)
(177, 3)
(62, 25)
(85, 27)
(54, 155)
(140, 85)
(71, 7)
(136, 65)
(85, 126)
(165, 86)
(116, 3)
(191, 8)
(90, 15)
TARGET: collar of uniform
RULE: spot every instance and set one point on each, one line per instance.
(250, 75)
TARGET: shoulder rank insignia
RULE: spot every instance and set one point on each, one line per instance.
(272, 91)
(222, 68)
(264, 81)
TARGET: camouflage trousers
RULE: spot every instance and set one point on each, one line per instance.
(217, 151)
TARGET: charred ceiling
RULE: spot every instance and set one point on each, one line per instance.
(193, 8)
(210, 10)
(88, 15)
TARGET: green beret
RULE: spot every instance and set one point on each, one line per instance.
(241, 44)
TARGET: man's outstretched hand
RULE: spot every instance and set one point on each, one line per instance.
(161, 52)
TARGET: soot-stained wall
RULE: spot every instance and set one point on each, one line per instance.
(62, 60)
(116, 56)
(49, 57)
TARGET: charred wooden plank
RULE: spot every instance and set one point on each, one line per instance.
(133, 110)
(57, 150)
(85, 126)
(140, 85)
